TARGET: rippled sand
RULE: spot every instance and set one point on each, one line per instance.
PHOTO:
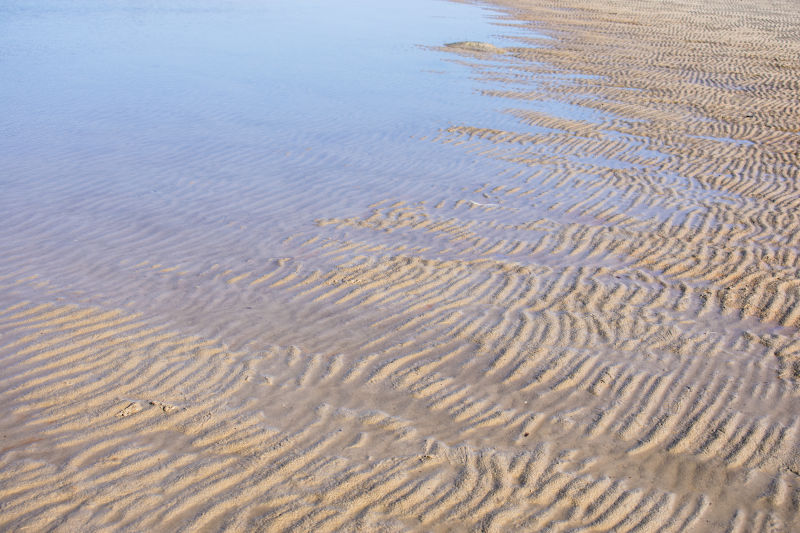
(603, 336)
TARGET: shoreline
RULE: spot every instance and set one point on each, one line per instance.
(602, 335)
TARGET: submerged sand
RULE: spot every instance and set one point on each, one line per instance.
(602, 338)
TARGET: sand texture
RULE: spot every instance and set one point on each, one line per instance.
(603, 336)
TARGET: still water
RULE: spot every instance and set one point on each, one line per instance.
(180, 131)
(135, 86)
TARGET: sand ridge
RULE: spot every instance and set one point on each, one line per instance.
(602, 337)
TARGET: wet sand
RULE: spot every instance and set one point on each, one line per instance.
(578, 313)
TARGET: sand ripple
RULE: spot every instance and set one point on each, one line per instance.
(601, 337)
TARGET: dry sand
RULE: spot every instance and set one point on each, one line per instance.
(604, 338)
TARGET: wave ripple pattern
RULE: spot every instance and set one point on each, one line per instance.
(601, 337)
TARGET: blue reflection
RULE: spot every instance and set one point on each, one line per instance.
(121, 75)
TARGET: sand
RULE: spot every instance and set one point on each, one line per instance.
(602, 337)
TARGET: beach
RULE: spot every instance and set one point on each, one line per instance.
(518, 265)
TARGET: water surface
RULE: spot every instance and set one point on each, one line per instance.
(209, 132)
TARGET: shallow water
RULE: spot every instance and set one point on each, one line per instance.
(267, 114)
(295, 266)
(160, 93)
